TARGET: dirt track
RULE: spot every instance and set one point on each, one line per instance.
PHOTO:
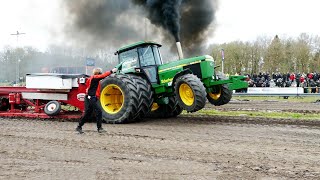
(181, 148)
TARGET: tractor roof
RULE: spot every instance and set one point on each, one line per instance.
(140, 43)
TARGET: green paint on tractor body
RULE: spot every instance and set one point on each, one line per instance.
(143, 59)
(145, 87)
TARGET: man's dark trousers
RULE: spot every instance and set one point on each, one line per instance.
(90, 106)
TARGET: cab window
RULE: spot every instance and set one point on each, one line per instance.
(149, 56)
(130, 58)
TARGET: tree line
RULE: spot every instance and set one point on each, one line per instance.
(271, 55)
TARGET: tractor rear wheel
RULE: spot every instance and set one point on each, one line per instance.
(190, 93)
(172, 109)
(145, 96)
(220, 95)
(124, 98)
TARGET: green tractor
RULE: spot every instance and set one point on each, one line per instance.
(145, 87)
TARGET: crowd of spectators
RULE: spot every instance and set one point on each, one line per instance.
(309, 81)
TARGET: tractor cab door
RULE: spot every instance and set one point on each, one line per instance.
(150, 59)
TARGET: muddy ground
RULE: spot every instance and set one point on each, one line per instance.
(180, 148)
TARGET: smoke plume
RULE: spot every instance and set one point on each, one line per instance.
(100, 23)
(164, 13)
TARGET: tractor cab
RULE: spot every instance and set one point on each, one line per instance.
(141, 57)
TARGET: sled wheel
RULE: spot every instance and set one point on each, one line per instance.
(52, 108)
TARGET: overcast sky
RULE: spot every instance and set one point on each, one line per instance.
(247, 19)
(39, 19)
(244, 20)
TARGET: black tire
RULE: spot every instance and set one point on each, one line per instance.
(220, 95)
(145, 96)
(124, 98)
(177, 111)
(172, 109)
(52, 108)
(190, 93)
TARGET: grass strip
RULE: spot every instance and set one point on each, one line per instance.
(265, 114)
(277, 98)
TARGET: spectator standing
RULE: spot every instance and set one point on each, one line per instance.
(298, 79)
(310, 76)
(292, 77)
(315, 76)
(313, 86)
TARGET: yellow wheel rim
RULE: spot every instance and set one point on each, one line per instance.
(112, 99)
(186, 94)
(215, 96)
(155, 106)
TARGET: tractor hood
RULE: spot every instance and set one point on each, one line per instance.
(184, 62)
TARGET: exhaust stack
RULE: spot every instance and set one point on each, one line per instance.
(179, 50)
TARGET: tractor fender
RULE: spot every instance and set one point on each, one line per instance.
(181, 73)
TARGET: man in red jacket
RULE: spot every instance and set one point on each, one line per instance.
(92, 98)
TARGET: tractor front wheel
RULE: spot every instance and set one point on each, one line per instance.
(220, 95)
(190, 93)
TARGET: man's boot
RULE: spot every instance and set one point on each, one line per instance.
(101, 130)
(79, 129)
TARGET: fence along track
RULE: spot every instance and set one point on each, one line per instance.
(285, 92)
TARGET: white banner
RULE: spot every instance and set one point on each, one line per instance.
(268, 90)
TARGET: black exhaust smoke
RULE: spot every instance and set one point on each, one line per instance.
(98, 23)
(164, 13)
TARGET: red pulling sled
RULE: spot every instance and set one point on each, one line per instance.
(45, 95)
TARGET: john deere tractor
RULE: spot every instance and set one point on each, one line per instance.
(145, 87)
